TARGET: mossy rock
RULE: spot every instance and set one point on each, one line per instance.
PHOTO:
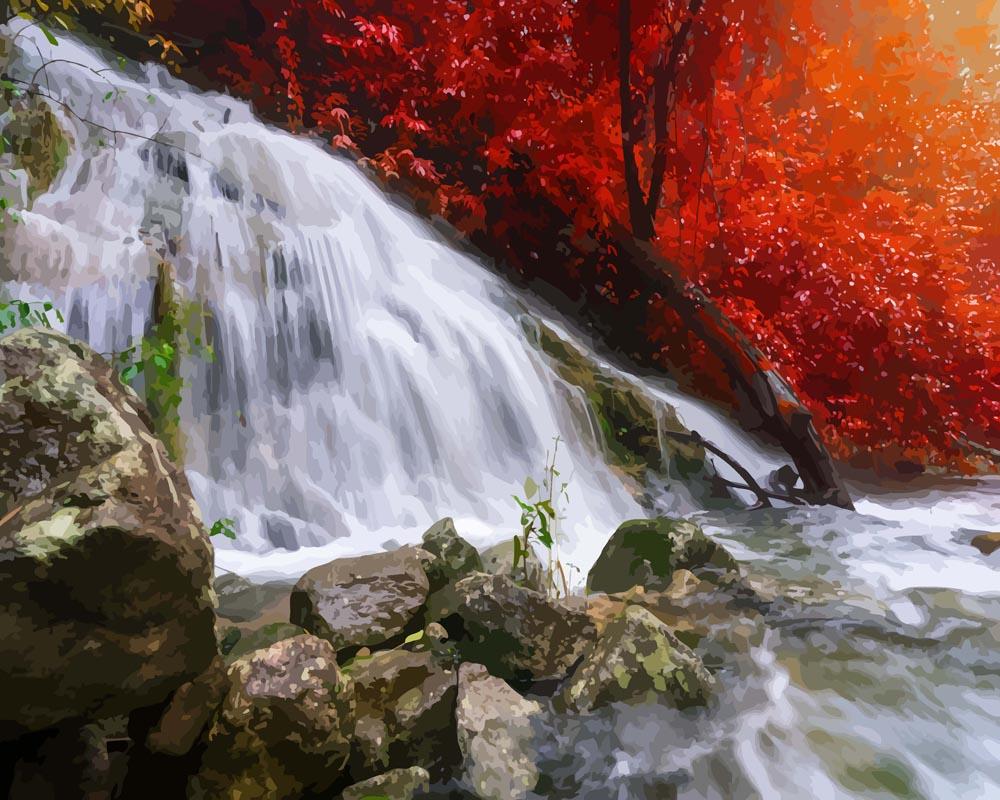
(39, 143)
(632, 425)
(262, 637)
(646, 552)
(638, 659)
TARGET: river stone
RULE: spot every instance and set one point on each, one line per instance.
(499, 560)
(284, 727)
(638, 659)
(987, 543)
(396, 784)
(241, 600)
(454, 558)
(519, 633)
(495, 736)
(406, 712)
(363, 601)
(645, 552)
(106, 603)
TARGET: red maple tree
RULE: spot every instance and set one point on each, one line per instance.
(826, 180)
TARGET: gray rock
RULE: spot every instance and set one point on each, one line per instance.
(495, 736)
(454, 558)
(645, 552)
(241, 600)
(638, 659)
(519, 633)
(106, 603)
(397, 784)
(499, 560)
(284, 727)
(364, 601)
(406, 712)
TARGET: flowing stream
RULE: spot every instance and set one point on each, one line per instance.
(369, 378)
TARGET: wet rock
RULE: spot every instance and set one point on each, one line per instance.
(405, 711)
(364, 601)
(454, 558)
(240, 600)
(499, 560)
(647, 552)
(495, 736)
(84, 488)
(638, 659)
(397, 784)
(283, 728)
(519, 633)
(987, 543)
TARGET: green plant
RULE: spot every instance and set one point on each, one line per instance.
(26, 313)
(223, 527)
(540, 522)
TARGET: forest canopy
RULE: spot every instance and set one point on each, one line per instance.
(825, 175)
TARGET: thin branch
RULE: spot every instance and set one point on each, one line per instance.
(113, 131)
(695, 438)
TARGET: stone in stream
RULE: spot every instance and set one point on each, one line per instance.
(645, 552)
(106, 603)
(519, 633)
(363, 601)
(405, 713)
(396, 784)
(284, 726)
(241, 600)
(496, 736)
(637, 659)
(987, 543)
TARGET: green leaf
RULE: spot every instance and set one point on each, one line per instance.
(530, 487)
(108, 96)
(414, 637)
(524, 506)
(543, 535)
(48, 35)
(122, 62)
(226, 527)
(546, 506)
(129, 374)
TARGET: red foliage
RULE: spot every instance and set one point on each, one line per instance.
(828, 180)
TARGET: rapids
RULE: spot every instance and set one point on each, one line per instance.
(370, 378)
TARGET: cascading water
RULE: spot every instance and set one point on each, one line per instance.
(368, 379)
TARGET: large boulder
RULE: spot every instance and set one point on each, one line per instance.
(364, 601)
(496, 732)
(519, 633)
(638, 659)
(405, 712)
(106, 603)
(646, 552)
(454, 558)
(284, 727)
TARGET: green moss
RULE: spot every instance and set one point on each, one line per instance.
(40, 146)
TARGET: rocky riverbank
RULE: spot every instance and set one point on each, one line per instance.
(414, 672)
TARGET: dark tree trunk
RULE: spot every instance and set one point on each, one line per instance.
(767, 403)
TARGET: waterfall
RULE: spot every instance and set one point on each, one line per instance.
(367, 379)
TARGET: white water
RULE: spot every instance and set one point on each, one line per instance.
(370, 379)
